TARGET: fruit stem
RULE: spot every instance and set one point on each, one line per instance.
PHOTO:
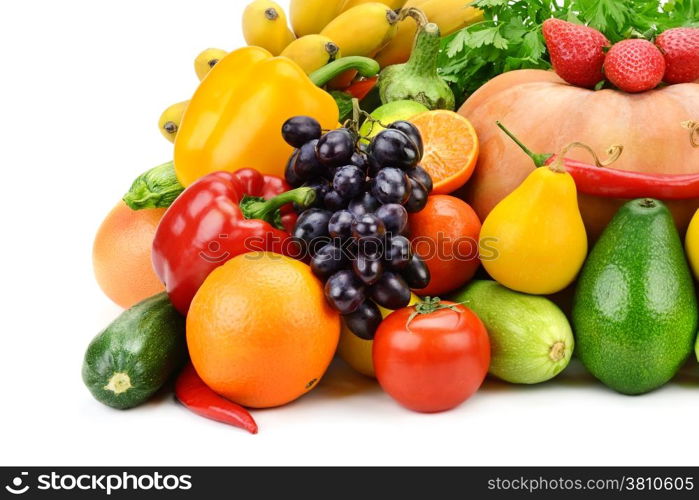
(267, 210)
(365, 66)
(271, 14)
(428, 305)
(647, 203)
(693, 127)
(119, 383)
(614, 153)
(417, 14)
(538, 159)
(557, 351)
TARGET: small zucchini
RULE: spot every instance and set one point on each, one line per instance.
(135, 355)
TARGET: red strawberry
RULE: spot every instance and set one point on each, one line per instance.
(680, 46)
(576, 51)
(634, 65)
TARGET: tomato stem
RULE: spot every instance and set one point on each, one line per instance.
(428, 305)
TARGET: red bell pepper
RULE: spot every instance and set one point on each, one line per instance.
(361, 88)
(220, 216)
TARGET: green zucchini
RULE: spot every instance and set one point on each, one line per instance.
(133, 357)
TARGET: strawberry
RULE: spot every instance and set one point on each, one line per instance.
(634, 65)
(576, 51)
(680, 46)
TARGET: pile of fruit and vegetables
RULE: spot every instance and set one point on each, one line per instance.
(433, 190)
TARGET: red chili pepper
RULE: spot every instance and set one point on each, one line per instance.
(597, 180)
(220, 216)
(193, 393)
(361, 88)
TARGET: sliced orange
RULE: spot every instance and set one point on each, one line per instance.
(451, 148)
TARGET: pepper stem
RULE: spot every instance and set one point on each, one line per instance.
(365, 66)
(538, 159)
(614, 153)
(693, 127)
(266, 210)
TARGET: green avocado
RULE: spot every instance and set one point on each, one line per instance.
(635, 311)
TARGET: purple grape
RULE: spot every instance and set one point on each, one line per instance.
(364, 321)
(416, 273)
(391, 291)
(340, 225)
(398, 252)
(393, 147)
(391, 185)
(349, 181)
(393, 216)
(336, 148)
(344, 291)
(418, 197)
(328, 260)
(422, 176)
(367, 269)
(364, 204)
(368, 226)
(412, 132)
(298, 130)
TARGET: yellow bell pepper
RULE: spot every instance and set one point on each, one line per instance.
(235, 117)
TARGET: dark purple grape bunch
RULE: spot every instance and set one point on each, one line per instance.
(355, 233)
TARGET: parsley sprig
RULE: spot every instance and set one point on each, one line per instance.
(509, 37)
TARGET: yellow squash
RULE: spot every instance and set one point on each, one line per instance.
(449, 15)
(534, 240)
(235, 117)
(206, 60)
(170, 119)
(264, 25)
(309, 17)
(312, 52)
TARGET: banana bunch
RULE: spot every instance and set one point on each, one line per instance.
(370, 28)
(321, 31)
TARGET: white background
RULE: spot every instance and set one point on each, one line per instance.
(82, 86)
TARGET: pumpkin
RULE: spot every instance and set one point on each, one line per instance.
(547, 113)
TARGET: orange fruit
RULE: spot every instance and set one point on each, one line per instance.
(260, 331)
(121, 254)
(445, 234)
(451, 148)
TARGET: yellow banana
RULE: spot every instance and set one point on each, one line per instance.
(206, 60)
(312, 52)
(392, 4)
(170, 120)
(362, 30)
(309, 17)
(449, 15)
(264, 25)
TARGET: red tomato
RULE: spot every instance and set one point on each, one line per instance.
(435, 362)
